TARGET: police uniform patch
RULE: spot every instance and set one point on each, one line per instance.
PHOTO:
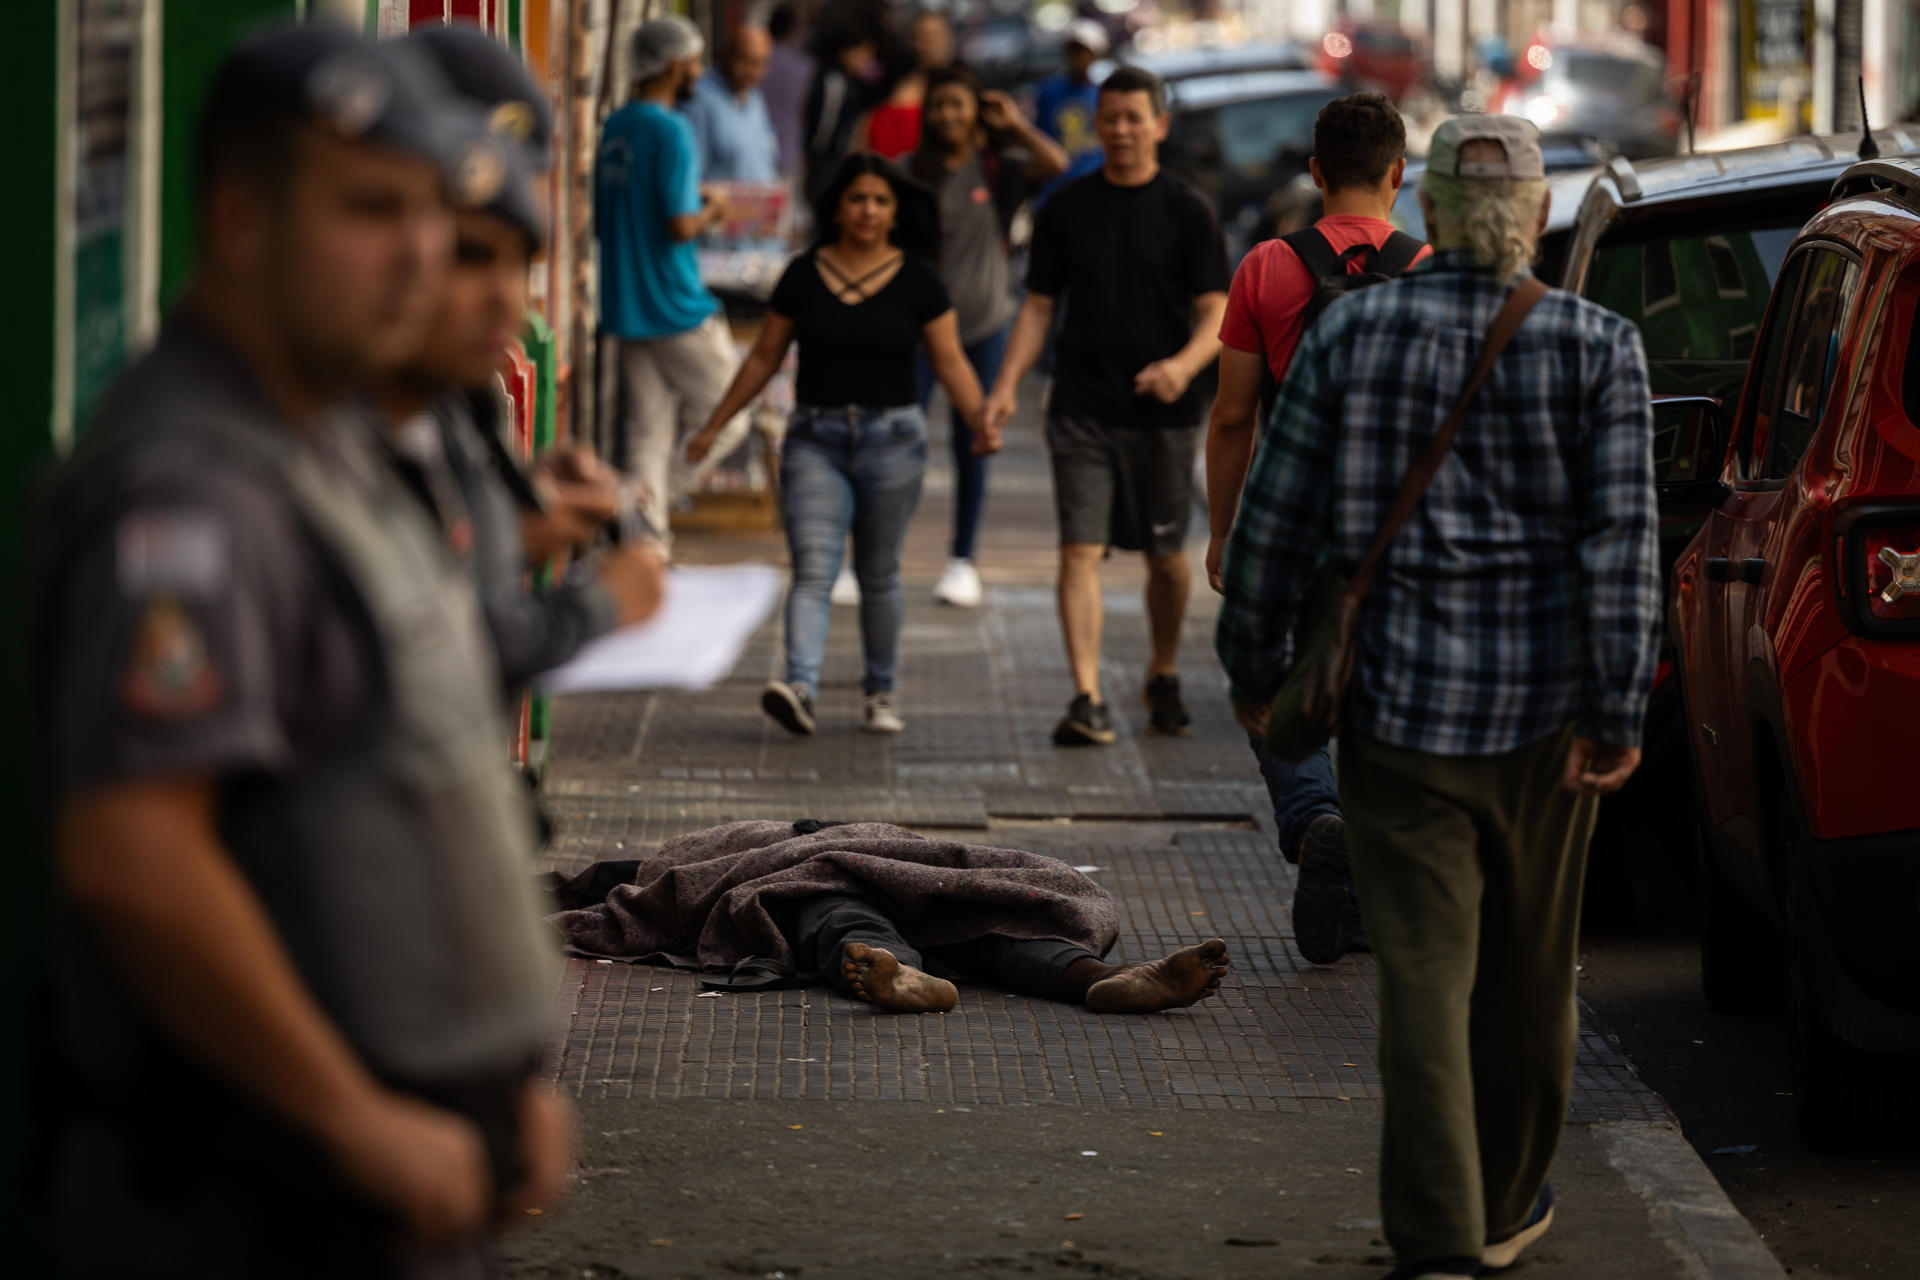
(168, 674)
(181, 552)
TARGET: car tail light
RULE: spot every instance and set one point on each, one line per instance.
(1337, 44)
(1667, 120)
(1882, 550)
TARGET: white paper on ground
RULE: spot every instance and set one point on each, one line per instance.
(691, 643)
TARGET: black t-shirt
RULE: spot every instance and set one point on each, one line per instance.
(1127, 264)
(859, 354)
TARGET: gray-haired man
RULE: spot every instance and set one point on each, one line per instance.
(676, 352)
(1506, 653)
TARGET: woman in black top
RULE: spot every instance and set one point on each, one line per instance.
(859, 302)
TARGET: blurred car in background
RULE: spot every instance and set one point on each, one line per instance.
(1213, 60)
(1372, 55)
(1241, 138)
(1607, 92)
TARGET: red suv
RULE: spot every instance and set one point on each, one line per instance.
(1796, 628)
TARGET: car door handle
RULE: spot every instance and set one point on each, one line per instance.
(1721, 569)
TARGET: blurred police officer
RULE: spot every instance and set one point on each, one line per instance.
(443, 414)
(304, 988)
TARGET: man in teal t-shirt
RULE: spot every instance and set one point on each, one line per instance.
(676, 352)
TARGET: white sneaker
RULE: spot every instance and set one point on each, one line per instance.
(846, 587)
(959, 586)
(881, 715)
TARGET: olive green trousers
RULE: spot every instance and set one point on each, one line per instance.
(1469, 873)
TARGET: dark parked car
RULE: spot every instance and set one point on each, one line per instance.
(1240, 138)
(1795, 621)
(1223, 60)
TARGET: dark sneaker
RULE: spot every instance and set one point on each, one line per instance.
(1498, 1257)
(1326, 912)
(1169, 714)
(1087, 723)
(790, 705)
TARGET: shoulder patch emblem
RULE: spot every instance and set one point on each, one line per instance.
(168, 674)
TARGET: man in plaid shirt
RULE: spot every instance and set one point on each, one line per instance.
(1506, 652)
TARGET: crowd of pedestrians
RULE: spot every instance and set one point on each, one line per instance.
(280, 599)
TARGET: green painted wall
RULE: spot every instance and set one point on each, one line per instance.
(195, 37)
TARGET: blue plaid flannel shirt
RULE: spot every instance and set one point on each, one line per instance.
(1524, 594)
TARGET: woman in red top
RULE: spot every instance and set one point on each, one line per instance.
(892, 129)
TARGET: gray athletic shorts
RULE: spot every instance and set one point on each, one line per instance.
(1124, 487)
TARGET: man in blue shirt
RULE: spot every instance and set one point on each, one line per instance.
(732, 132)
(1064, 103)
(676, 352)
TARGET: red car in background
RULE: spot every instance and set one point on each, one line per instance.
(1795, 619)
(1372, 55)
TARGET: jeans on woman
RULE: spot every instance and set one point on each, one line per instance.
(859, 470)
(969, 468)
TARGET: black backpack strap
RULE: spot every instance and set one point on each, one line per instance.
(1397, 254)
(1316, 252)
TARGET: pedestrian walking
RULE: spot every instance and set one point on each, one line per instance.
(1504, 658)
(303, 986)
(442, 414)
(847, 84)
(790, 73)
(1065, 102)
(859, 303)
(981, 158)
(676, 353)
(1136, 257)
(891, 128)
(733, 134)
(1359, 157)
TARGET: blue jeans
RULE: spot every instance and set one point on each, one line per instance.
(858, 470)
(1300, 793)
(969, 468)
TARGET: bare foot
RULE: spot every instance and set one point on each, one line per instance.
(874, 975)
(1189, 975)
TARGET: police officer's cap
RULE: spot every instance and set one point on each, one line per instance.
(336, 80)
(495, 171)
(482, 69)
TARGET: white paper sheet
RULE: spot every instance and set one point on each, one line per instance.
(691, 643)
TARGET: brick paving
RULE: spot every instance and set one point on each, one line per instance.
(1179, 830)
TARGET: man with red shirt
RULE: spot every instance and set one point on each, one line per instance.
(1359, 156)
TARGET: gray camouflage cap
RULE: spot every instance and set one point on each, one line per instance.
(1516, 136)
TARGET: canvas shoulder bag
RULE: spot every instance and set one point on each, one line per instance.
(1307, 711)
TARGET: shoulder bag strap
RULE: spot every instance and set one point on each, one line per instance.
(1505, 325)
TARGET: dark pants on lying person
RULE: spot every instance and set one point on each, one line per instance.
(823, 927)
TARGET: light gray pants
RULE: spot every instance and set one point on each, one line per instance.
(669, 387)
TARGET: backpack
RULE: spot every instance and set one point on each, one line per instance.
(1332, 279)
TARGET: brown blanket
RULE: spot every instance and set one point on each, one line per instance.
(717, 896)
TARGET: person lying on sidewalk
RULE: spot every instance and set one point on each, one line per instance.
(870, 908)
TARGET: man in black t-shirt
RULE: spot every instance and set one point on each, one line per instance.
(1138, 256)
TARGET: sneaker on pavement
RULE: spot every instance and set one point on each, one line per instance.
(790, 704)
(959, 586)
(1087, 723)
(1168, 714)
(1326, 912)
(846, 587)
(881, 715)
(1504, 1254)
